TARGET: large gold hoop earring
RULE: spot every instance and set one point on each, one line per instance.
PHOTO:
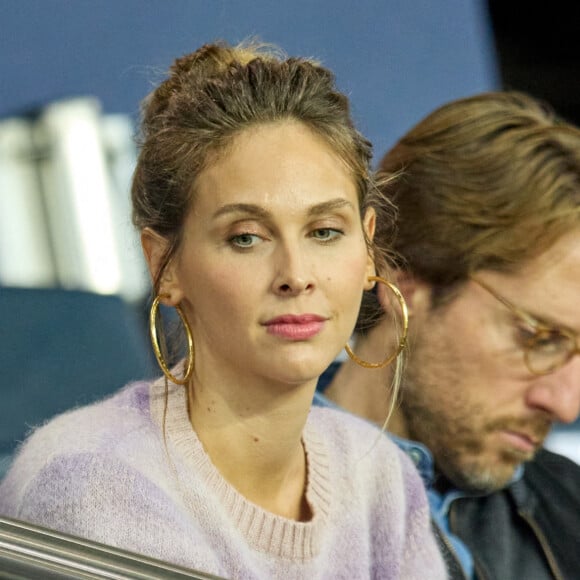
(157, 349)
(403, 340)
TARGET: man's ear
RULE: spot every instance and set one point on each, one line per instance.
(154, 248)
(369, 223)
(417, 294)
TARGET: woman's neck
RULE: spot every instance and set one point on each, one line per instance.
(255, 442)
(366, 392)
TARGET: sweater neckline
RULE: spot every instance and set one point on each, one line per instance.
(263, 530)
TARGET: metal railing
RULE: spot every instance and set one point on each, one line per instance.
(30, 551)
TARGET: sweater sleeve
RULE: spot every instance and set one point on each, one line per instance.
(100, 498)
(421, 556)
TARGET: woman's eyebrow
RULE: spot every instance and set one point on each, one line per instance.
(245, 208)
(260, 212)
(330, 206)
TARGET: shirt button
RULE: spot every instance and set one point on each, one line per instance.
(415, 456)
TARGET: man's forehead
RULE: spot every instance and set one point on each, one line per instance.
(565, 249)
(547, 286)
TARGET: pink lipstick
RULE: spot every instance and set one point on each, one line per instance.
(295, 326)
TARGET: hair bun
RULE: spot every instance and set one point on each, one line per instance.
(198, 68)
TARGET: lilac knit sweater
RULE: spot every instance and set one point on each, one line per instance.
(104, 472)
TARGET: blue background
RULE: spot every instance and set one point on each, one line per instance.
(396, 59)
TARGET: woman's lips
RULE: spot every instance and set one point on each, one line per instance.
(295, 326)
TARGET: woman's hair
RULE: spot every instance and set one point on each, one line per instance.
(210, 96)
(489, 181)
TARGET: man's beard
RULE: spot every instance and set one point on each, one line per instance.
(457, 438)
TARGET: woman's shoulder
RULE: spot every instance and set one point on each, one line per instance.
(110, 427)
(91, 426)
(343, 424)
(353, 438)
(365, 453)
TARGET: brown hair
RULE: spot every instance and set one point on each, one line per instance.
(211, 95)
(489, 181)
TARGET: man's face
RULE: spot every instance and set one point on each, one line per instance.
(469, 395)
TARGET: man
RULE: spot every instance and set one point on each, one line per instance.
(489, 263)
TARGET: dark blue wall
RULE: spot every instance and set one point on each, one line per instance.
(397, 59)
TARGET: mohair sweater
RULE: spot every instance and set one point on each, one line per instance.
(104, 472)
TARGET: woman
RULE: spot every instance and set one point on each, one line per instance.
(250, 195)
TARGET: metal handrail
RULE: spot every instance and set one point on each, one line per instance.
(31, 551)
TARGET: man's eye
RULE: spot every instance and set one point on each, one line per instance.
(527, 334)
(549, 341)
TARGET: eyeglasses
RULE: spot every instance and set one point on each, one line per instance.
(546, 348)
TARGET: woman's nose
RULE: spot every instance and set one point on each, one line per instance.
(293, 271)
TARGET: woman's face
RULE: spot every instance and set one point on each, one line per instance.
(273, 259)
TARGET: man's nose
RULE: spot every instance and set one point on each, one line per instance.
(559, 392)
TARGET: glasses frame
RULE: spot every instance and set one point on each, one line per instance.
(539, 328)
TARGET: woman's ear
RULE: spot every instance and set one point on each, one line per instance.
(369, 223)
(154, 249)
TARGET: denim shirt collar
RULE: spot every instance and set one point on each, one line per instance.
(440, 503)
(423, 460)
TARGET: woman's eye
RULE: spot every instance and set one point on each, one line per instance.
(326, 234)
(244, 240)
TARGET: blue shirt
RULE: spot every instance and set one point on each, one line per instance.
(438, 503)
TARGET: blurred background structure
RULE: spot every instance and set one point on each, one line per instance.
(538, 50)
(73, 285)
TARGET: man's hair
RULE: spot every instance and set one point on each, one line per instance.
(489, 181)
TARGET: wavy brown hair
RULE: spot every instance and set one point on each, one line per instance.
(488, 182)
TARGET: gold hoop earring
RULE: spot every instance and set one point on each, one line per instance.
(402, 342)
(157, 349)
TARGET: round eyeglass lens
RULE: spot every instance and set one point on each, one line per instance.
(548, 350)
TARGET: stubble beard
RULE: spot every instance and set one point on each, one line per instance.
(456, 435)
